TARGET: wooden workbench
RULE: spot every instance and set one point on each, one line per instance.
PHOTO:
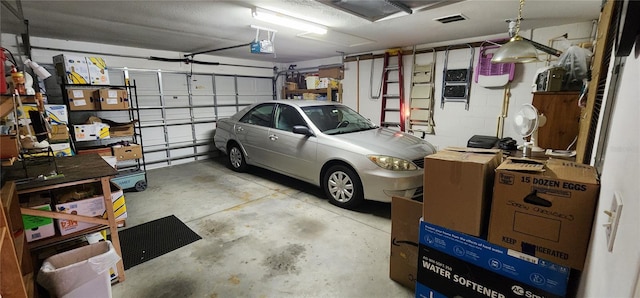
(77, 170)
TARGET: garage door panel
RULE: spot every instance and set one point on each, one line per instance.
(146, 82)
(148, 100)
(226, 112)
(254, 86)
(204, 113)
(202, 85)
(150, 115)
(202, 100)
(173, 83)
(176, 100)
(179, 133)
(177, 114)
(204, 131)
(225, 85)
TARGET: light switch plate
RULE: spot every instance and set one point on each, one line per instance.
(614, 219)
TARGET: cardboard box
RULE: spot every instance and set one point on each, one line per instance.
(38, 227)
(133, 151)
(9, 146)
(545, 209)
(87, 207)
(453, 264)
(336, 72)
(113, 99)
(119, 204)
(405, 221)
(91, 132)
(310, 96)
(291, 85)
(59, 150)
(57, 113)
(98, 72)
(323, 83)
(82, 100)
(124, 130)
(72, 69)
(458, 183)
(59, 133)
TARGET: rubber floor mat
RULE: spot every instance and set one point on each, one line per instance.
(152, 239)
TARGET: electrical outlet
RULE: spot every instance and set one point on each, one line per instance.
(614, 218)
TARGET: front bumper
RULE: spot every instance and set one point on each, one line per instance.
(380, 185)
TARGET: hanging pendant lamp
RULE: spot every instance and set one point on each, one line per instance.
(517, 50)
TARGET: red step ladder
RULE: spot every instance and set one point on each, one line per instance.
(393, 111)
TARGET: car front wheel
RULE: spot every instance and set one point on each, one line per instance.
(236, 158)
(342, 186)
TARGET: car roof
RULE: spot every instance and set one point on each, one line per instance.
(306, 102)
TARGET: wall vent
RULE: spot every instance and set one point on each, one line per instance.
(451, 18)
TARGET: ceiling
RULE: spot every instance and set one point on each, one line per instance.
(193, 26)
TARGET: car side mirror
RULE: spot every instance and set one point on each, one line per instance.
(301, 129)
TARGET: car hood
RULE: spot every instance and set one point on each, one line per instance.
(388, 142)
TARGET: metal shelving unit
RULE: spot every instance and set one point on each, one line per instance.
(131, 173)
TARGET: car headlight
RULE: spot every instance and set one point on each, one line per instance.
(392, 163)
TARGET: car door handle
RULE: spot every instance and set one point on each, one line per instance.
(273, 137)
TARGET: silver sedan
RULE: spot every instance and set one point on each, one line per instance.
(327, 144)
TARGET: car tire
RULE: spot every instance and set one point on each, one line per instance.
(235, 158)
(342, 187)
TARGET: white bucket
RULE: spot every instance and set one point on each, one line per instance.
(312, 82)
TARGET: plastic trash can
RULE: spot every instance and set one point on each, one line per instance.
(81, 272)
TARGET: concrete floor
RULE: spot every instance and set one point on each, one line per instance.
(264, 235)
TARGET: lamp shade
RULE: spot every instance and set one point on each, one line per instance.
(516, 50)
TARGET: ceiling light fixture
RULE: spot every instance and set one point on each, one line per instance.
(287, 21)
(517, 50)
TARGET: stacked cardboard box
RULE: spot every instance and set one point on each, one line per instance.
(38, 227)
(454, 264)
(545, 209)
(537, 212)
(58, 136)
(458, 183)
(91, 132)
(131, 151)
(82, 99)
(81, 70)
(403, 261)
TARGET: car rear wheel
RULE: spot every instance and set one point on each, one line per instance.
(342, 186)
(236, 158)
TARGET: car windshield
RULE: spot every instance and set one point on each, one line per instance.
(337, 119)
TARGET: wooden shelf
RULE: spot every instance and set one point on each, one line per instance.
(58, 239)
(11, 279)
(288, 94)
(317, 91)
(77, 170)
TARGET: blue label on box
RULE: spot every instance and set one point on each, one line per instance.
(474, 265)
